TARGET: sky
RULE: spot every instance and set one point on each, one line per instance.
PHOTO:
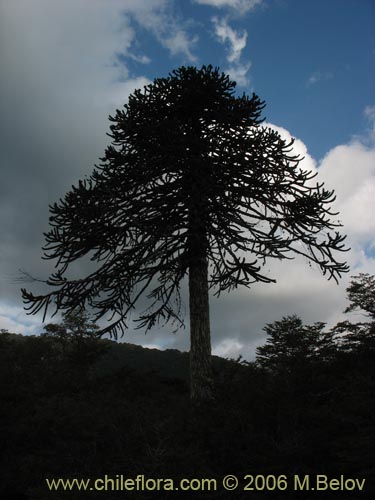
(67, 65)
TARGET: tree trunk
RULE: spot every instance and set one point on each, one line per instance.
(201, 378)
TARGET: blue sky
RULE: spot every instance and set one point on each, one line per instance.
(313, 62)
(67, 64)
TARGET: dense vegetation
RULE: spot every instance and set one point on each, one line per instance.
(76, 406)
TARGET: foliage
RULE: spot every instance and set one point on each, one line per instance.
(299, 412)
(77, 337)
(191, 179)
(361, 293)
(359, 337)
(291, 344)
(127, 422)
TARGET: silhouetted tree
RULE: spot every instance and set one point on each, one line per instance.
(359, 336)
(191, 185)
(361, 294)
(291, 344)
(77, 336)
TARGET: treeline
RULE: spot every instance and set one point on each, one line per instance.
(305, 406)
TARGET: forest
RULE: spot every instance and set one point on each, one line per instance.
(74, 405)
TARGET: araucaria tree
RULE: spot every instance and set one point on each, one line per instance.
(192, 185)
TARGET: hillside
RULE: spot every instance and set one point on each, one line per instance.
(127, 412)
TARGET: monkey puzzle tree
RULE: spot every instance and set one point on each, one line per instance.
(192, 184)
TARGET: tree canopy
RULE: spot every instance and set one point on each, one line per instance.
(359, 337)
(191, 176)
(291, 344)
(77, 336)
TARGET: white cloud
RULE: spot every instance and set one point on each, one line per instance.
(13, 319)
(300, 289)
(140, 59)
(299, 147)
(228, 348)
(348, 169)
(157, 17)
(241, 6)
(239, 73)
(179, 42)
(318, 76)
(236, 41)
(370, 115)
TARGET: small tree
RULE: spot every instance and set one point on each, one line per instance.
(359, 337)
(77, 336)
(361, 294)
(291, 345)
(191, 185)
